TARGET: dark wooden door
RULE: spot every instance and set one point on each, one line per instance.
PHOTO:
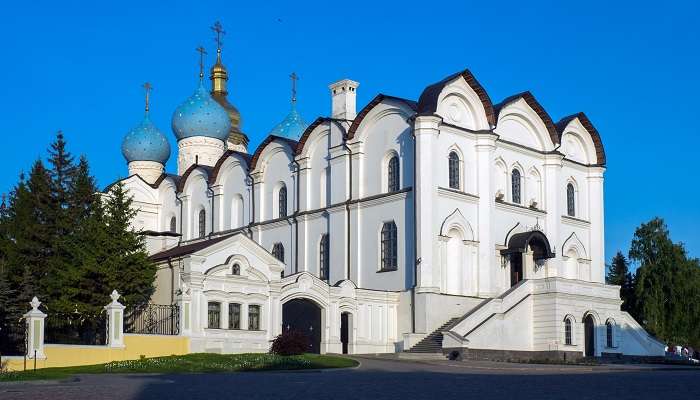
(304, 316)
(516, 268)
(344, 331)
(589, 333)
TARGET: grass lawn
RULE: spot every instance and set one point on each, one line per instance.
(190, 363)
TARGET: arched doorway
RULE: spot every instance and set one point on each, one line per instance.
(345, 321)
(305, 316)
(534, 242)
(589, 335)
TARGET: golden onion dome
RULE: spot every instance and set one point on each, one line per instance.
(219, 77)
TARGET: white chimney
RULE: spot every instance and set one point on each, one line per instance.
(343, 99)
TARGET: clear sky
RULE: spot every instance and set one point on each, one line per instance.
(631, 67)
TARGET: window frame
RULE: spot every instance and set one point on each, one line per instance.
(570, 200)
(568, 332)
(609, 334)
(251, 315)
(388, 243)
(173, 224)
(282, 201)
(516, 186)
(278, 251)
(324, 258)
(393, 174)
(454, 174)
(202, 224)
(232, 316)
(236, 269)
(213, 314)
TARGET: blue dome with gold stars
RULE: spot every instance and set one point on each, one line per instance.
(146, 143)
(292, 126)
(201, 115)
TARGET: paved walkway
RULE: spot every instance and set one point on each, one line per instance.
(380, 378)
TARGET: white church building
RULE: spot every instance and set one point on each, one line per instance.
(444, 224)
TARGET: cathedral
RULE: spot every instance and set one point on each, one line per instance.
(450, 224)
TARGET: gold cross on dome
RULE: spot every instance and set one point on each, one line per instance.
(201, 52)
(294, 77)
(219, 33)
(147, 86)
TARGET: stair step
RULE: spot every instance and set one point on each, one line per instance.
(433, 342)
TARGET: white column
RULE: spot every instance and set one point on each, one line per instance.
(487, 266)
(426, 131)
(597, 218)
(115, 321)
(554, 191)
(184, 301)
(35, 330)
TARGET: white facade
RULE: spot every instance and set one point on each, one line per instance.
(486, 197)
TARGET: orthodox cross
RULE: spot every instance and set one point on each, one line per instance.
(294, 77)
(219, 33)
(201, 52)
(147, 86)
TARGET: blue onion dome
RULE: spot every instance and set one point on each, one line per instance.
(201, 115)
(292, 126)
(146, 142)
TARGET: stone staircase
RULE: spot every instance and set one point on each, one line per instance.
(433, 342)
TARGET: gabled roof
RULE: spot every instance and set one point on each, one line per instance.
(188, 171)
(595, 136)
(229, 153)
(375, 102)
(536, 107)
(269, 139)
(186, 249)
(307, 132)
(428, 101)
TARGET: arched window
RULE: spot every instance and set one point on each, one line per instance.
(393, 174)
(389, 247)
(567, 332)
(323, 258)
(236, 270)
(173, 225)
(282, 202)
(515, 186)
(202, 223)
(453, 165)
(609, 334)
(278, 251)
(570, 200)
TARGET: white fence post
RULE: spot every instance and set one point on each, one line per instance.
(35, 330)
(185, 304)
(115, 321)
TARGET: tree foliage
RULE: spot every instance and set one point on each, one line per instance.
(66, 243)
(664, 293)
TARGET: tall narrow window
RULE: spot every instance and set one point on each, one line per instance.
(282, 202)
(570, 200)
(254, 318)
(213, 315)
(609, 333)
(389, 247)
(567, 331)
(278, 251)
(323, 258)
(454, 170)
(234, 316)
(202, 223)
(393, 174)
(173, 225)
(515, 186)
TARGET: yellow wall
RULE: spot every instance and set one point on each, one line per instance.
(58, 355)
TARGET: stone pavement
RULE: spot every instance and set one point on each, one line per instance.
(381, 378)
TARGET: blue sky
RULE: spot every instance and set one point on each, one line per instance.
(633, 68)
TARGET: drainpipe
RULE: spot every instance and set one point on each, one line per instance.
(347, 203)
(210, 193)
(172, 280)
(294, 217)
(415, 230)
(251, 183)
(177, 197)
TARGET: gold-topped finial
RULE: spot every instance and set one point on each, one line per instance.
(294, 77)
(147, 87)
(201, 52)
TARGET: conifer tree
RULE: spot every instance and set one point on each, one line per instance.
(619, 274)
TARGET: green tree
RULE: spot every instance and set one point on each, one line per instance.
(619, 274)
(666, 285)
